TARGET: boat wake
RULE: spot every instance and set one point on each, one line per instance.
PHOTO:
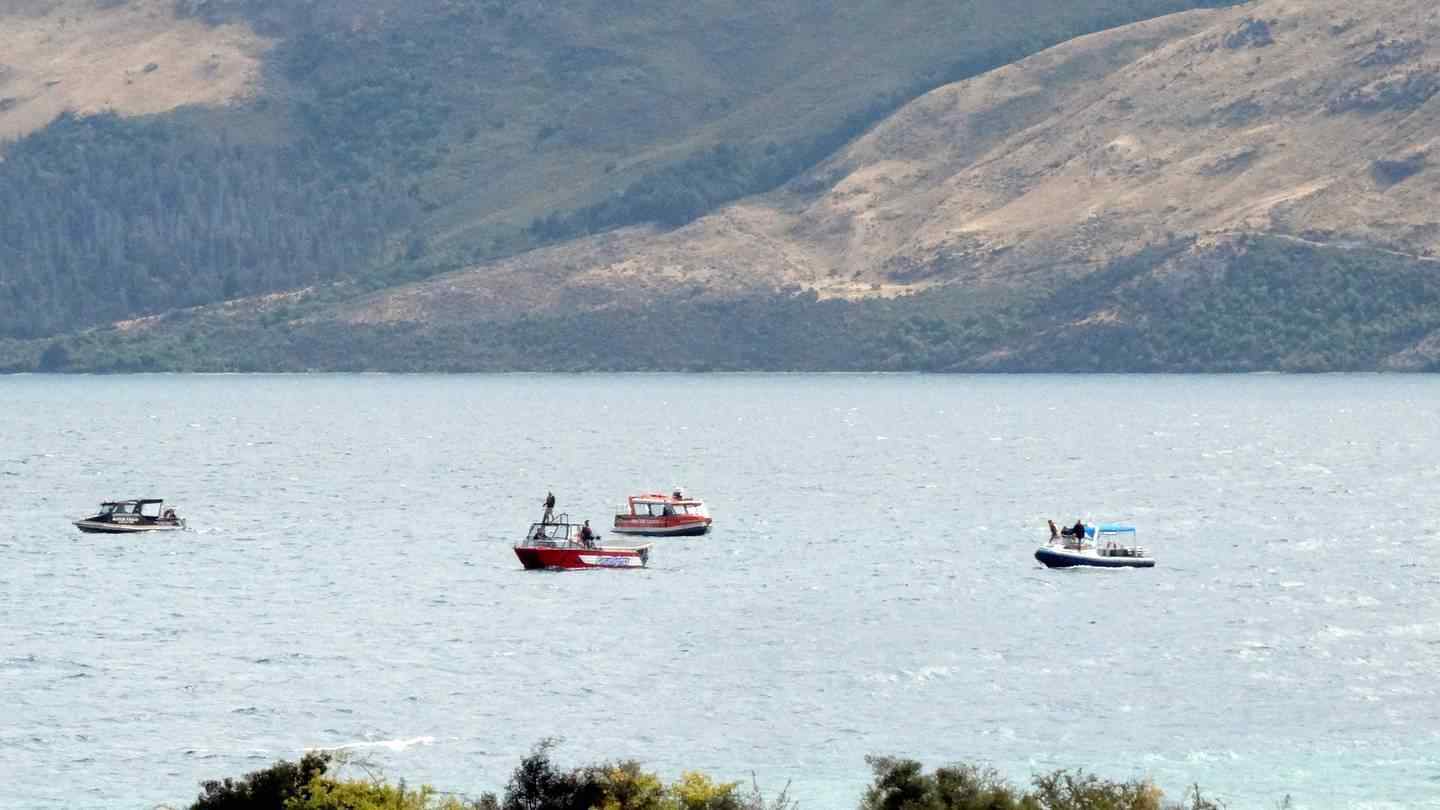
(391, 745)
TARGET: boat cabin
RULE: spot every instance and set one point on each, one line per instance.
(658, 504)
(153, 508)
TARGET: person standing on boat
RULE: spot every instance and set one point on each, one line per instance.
(1054, 532)
(587, 537)
(549, 507)
(1078, 531)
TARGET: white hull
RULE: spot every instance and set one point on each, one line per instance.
(602, 560)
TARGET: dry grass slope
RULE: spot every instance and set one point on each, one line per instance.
(132, 58)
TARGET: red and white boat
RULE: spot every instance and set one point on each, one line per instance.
(656, 514)
(560, 546)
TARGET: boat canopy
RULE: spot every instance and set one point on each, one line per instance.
(1116, 528)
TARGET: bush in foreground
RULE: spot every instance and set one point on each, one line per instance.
(537, 783)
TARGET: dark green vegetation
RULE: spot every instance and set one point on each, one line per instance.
(538, 784)
(1266, 303)
(392, 140)
(102, 218)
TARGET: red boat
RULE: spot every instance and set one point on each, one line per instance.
(559, 546)
(656, 514)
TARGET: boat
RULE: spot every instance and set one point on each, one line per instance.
(656, 514)
(128, 517)
(1109, 545)
(557, 546)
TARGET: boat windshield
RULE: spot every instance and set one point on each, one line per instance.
(548, 533)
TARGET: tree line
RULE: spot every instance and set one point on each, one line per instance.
(1273, 304)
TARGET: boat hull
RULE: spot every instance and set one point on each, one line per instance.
(106, 527)
(662, 527)
(540, 558)
(1066, 558)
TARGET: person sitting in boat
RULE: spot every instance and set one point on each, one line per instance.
(539, 532)
(668, 510)
(169, 514)
(587, 537)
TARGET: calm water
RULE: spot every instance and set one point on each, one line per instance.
(869, 589)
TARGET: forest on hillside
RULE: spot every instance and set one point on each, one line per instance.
(1277, 305)
(394, 140)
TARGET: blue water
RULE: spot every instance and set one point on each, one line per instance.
(869, 587)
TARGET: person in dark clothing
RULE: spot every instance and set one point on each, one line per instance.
(587, 537)
(1078, 530)
(549, 507)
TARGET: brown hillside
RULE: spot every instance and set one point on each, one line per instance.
(131, 58)
(1314, 119)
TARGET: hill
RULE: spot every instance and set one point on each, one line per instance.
(254, 146)
(1220, 189)
(1263, 137)
(1285, 117)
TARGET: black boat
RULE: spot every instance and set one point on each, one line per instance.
(126, 517)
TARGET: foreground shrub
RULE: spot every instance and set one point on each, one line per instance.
(309, 785)
(331, 794)
(902, 784)
(537, 783)
(1063, 790)
(696, 791)
(269, 789)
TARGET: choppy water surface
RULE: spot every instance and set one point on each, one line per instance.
(869, 589)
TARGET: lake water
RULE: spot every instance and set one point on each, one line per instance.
(869, 587)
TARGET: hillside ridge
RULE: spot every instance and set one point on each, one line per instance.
(1285, 117)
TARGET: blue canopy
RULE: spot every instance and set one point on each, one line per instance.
(1116, 528)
